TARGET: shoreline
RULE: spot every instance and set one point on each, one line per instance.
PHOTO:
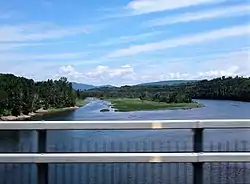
(39, 112)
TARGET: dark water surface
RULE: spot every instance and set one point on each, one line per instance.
(133, 141)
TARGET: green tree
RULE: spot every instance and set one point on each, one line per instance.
(19, 95)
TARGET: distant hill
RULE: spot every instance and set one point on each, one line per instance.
(81, 86)
(105, 86)
(169, 83)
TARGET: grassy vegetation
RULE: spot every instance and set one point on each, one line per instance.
(52, 110)
(133, 104)
(80, 102)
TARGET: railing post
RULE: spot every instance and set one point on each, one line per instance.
(42, 168)
(198, 147)
(198, 140)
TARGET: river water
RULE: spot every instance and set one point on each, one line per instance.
(132, 141)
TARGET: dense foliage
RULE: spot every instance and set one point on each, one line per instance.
(150, 93)
(223, 88)
(19, 95)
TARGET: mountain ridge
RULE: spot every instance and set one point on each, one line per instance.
(82, 86)
(167, 82)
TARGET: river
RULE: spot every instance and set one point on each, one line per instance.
(132, 141)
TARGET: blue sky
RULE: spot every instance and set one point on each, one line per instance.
(124, 41)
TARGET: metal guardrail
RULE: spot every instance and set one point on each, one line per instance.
(124, 125)
(124, 157)
(197, 158)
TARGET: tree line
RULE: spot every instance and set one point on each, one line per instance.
(237, 88)
(223, 88)
(19, 95)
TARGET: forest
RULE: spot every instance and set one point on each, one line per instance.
(19, 95)
(223, 88)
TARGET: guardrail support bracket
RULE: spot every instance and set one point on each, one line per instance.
(42, 168)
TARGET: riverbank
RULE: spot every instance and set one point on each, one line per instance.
(133, 104)
(39, 112)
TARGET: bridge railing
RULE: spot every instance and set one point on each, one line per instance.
(198, 157)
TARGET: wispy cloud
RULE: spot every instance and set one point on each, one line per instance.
(30, 57)
(242, 53)
(217, 65)
(225, 63)
(204, 66)
(227, 71)
(185, 40)
(126, 39)
(204, 15)
(12, 46)
(140, 7)
(37, 32)
(137, 7)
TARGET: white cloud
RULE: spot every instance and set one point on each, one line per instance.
(98, 71)
(162, 77)
(230, 71)
(108, 72)
(149, 6)
(227, 64)
(36, 32)
(178, 75)
(98, 76)
(188, 17)
(197, 67)
(185, 40)
(66, 69)
(69, 71)
(206, 74)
